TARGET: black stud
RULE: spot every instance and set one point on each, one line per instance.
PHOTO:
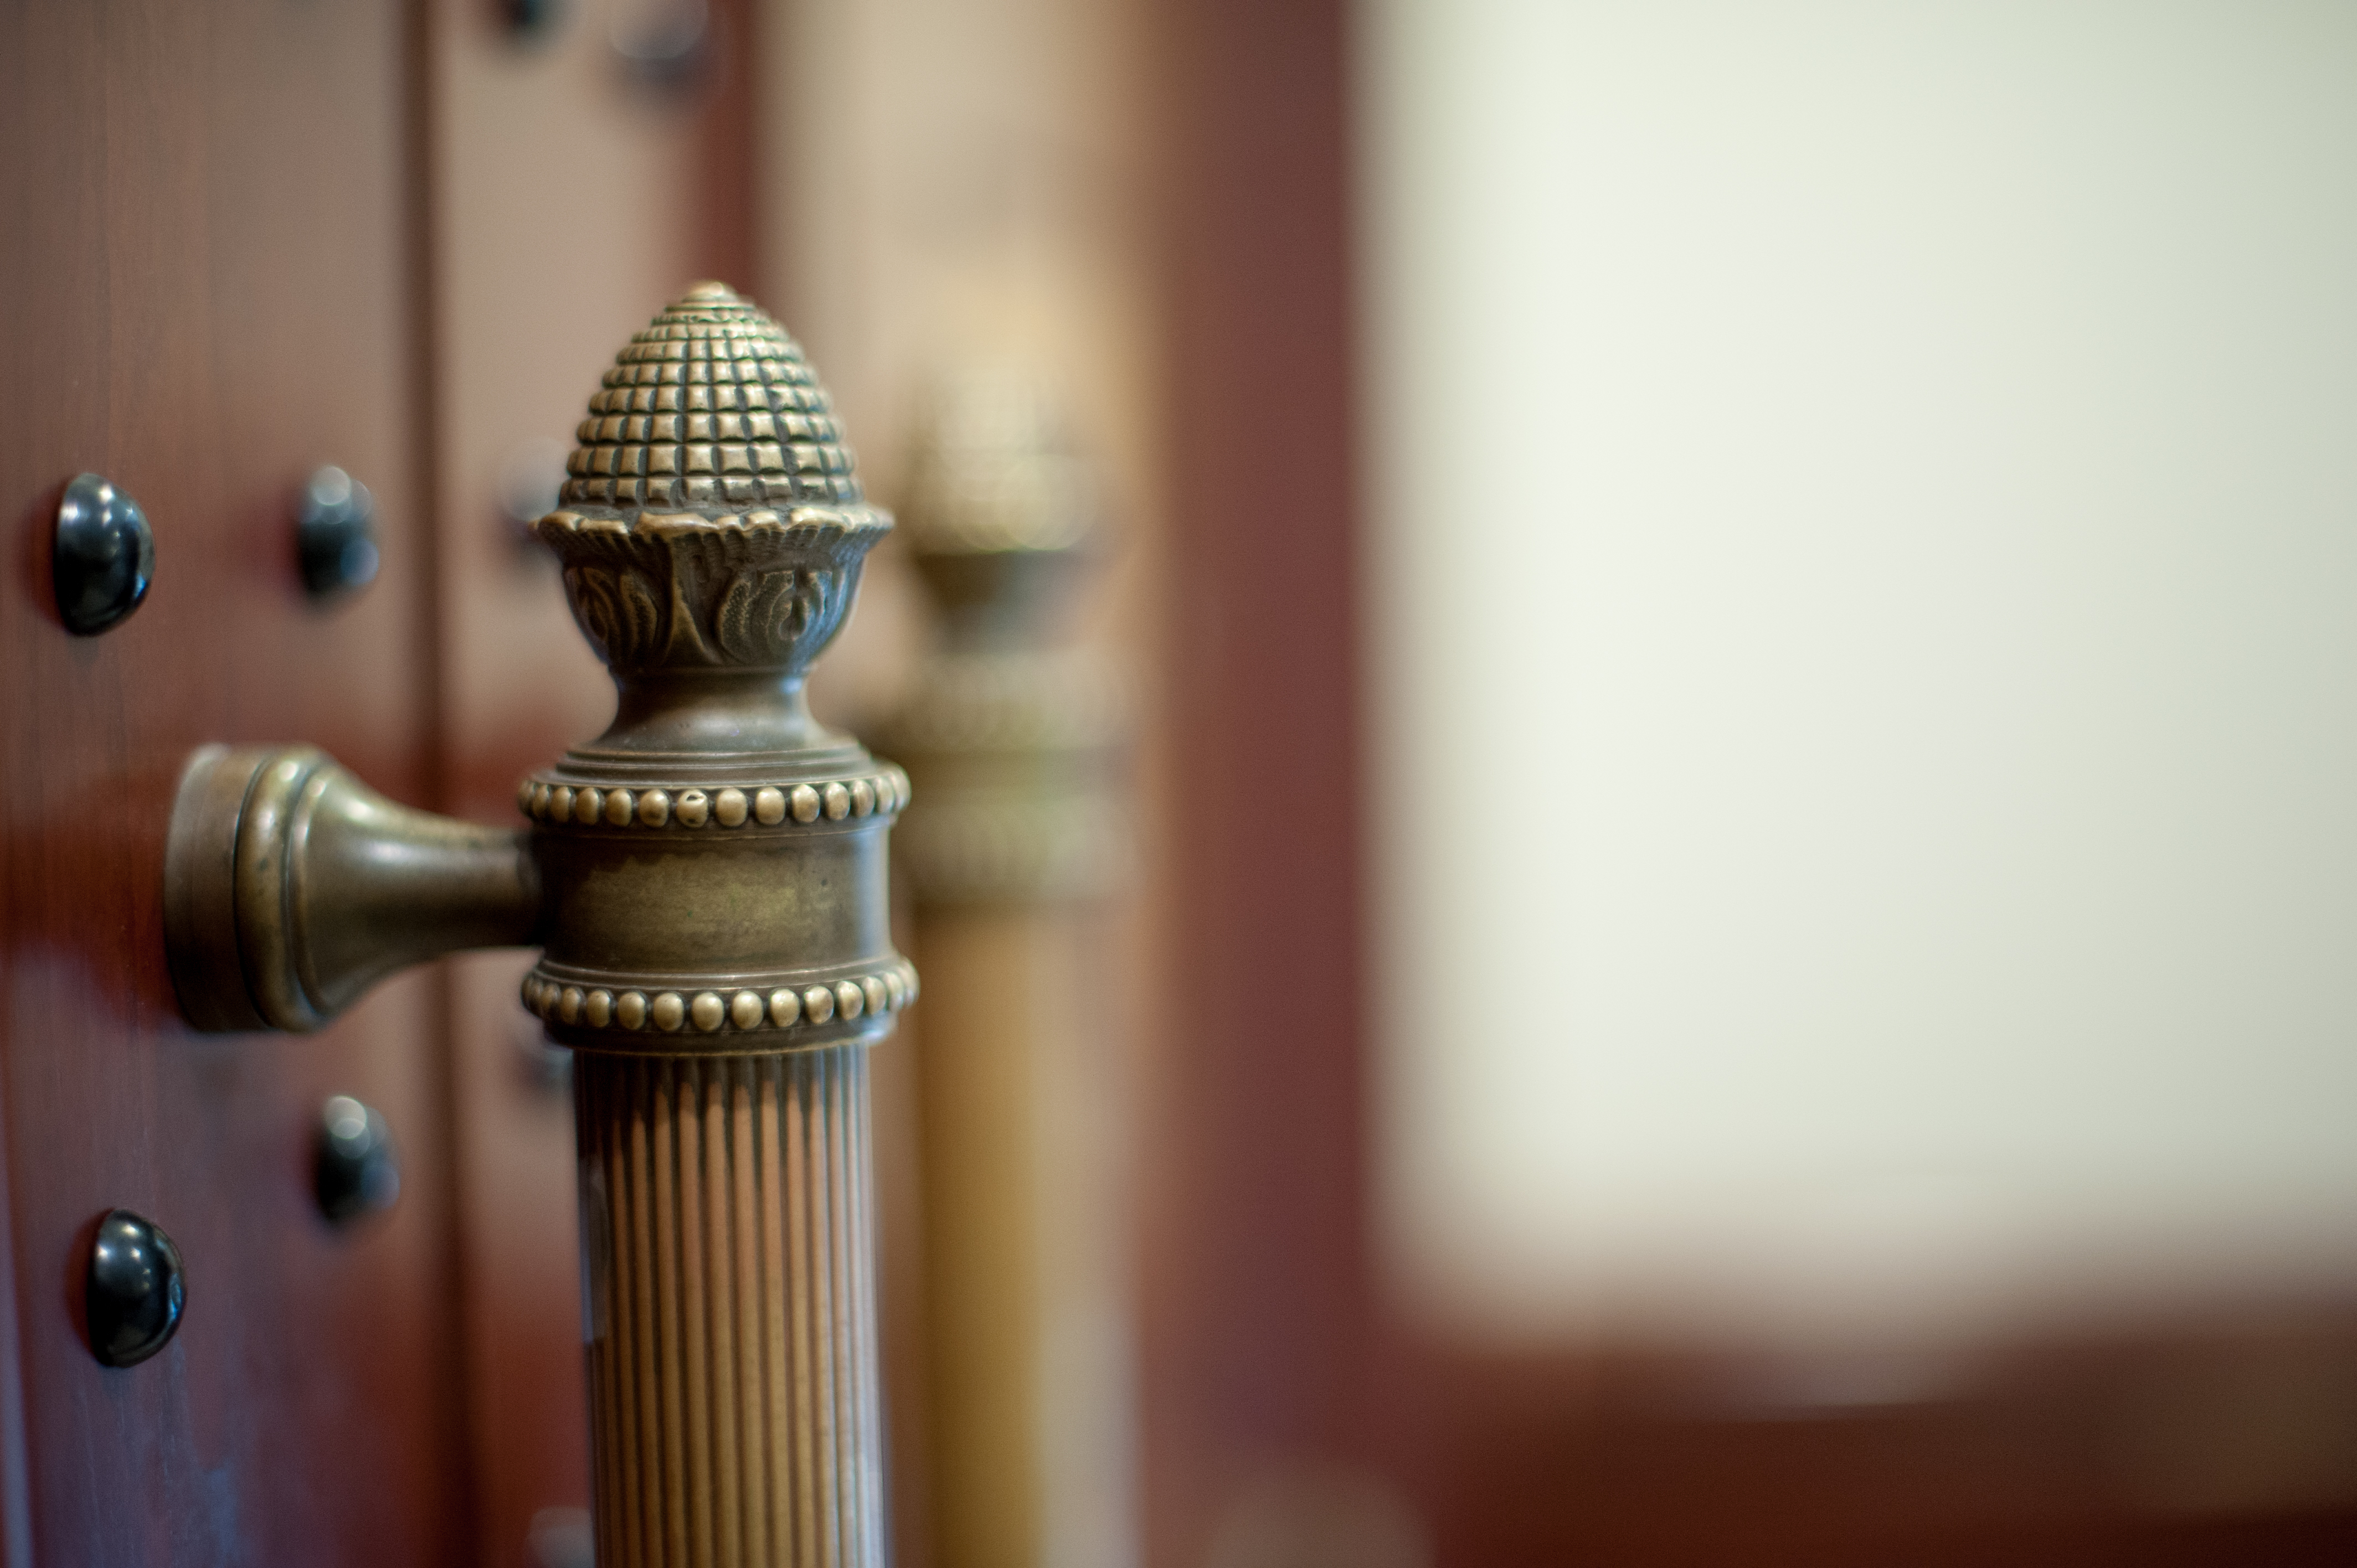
(335, 535)
(105, 558)
(533, 19)
(135, 1291)
(354, 1172)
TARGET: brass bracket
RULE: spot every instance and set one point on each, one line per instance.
(290, 887)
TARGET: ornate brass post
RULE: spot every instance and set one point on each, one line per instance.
(708, 881)
(1014, 735)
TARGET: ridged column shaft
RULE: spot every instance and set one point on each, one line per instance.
(731, 1299)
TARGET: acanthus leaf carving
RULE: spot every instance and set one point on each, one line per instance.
(617, 610)
(710, 592)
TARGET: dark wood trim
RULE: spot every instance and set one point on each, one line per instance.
(421, 126)
(1255, 1293)
(727, 243)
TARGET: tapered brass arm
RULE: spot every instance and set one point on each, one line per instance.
(707, 883)
(290, 887)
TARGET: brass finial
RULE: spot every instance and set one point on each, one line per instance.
(1001, 506)
(1012, 735)
(711, 547)
(713, 520)
(712, 408)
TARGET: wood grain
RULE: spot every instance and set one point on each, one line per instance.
(1255, 1272)
(206, 296)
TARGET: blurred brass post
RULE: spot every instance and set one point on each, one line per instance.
(1014, 741)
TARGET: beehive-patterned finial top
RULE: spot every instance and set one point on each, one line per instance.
(712, 408)
(712, 517)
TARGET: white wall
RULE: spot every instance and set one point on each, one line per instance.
(1864, 630)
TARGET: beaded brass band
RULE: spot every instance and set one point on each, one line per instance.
(550, 799)
(725, 1011)
(801, 1009)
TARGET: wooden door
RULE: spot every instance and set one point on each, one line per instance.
(208, 288)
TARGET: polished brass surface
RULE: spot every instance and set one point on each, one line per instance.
(714, 863)
(708, 883)
(290, 887)
(728, 1211)
(707, 875)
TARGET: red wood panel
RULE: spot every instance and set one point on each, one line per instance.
(1254, 1339)
(206, 294)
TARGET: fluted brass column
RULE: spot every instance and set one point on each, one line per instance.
(732, 1307)
(1013, 737)
(720, 1014)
